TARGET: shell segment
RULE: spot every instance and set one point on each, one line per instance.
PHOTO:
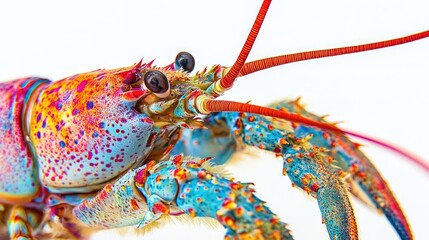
(188, 185)
(86, 131)
(364, 176)
(18, 171)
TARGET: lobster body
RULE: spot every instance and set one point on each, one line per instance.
(90, 145)
(92, 151)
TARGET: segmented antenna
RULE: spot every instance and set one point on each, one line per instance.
(265, 63)
(228, 80)
(205, 105)
(230, 106)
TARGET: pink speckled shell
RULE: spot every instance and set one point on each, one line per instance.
(85, 132)
(18, 172)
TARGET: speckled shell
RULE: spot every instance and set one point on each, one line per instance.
(18, 172)
(85, 132)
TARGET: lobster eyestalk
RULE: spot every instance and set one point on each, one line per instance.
(206, 105)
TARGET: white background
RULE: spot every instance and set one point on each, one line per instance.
(383, 93)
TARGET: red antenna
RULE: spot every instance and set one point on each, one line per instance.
(205, 105)
(230, 106)
(228, 80)
(265, 63)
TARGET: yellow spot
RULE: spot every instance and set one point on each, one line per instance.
(191, 212)
(180, 174)
(229, 204)
(158, 179)
(304, 181)
(238, 211)
(229, 222)
(108, 188)
(232, 195)
(276, 235)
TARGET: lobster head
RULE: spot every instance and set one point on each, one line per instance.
(169, 94)
(89, 128)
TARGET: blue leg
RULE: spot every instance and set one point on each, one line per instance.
(364, 176)
(181, 186)
(308, 154)
(205, 143)
(21, 222)
(308, 166)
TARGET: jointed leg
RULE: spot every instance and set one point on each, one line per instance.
(364, 176)
(22, 221)
(182, 186)
(307, 166)
(314, 159)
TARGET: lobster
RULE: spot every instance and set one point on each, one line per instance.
(55, 126)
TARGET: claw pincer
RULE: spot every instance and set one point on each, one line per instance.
(311, 171)
(364, 176)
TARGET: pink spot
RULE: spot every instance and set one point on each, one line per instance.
(75, 112)
(81, 86)
(54, 90)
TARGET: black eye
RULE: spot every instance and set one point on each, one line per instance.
(185, 61)
(157, 82)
